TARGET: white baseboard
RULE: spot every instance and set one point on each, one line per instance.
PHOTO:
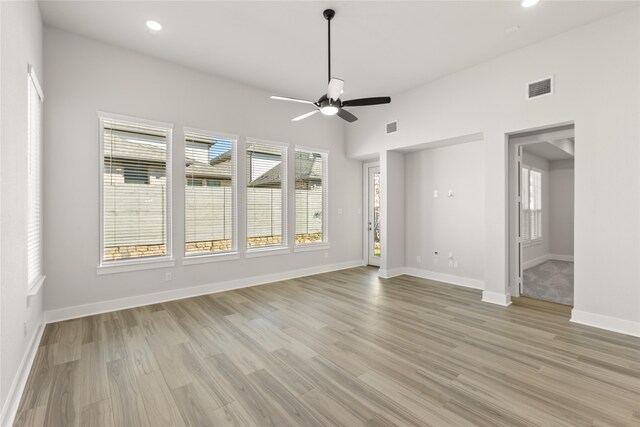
(176, 294)
(545, 258)
(467, 282)
(10, 407)
(496, 298)
(557, 257)
(535, 261)
(392, 272)
(614, 324)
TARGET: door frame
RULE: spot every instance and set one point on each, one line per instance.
(515, 265)
(365, 208)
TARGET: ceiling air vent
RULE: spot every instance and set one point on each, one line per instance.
(540, 88)
(392, 127)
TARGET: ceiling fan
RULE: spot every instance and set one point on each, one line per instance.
(330, 103)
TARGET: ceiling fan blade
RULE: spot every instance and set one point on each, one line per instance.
(304, 116)
(284, 98)
(344, 114)
(335, 88)
(361, 102)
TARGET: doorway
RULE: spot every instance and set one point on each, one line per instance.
(541, 209)
(374, 247)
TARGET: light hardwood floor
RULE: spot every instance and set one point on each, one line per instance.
(342, 348)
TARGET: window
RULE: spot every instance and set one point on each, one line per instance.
(136, 175)
(35, 271)
(311, 196)
(209, 193)
(531, 205)
(136, 196)
(266, 195)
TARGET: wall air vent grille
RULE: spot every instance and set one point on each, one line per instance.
(540, 88)
(392, 127)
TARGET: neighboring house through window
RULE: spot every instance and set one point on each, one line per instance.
(266, 195)
(210, 214)
(311, 196)
(135, 188)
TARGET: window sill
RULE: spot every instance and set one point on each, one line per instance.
(312, 247)
(204, 259)
(254, 253)
(123, 267)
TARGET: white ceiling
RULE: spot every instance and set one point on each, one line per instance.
(379, 48)
(548, 151)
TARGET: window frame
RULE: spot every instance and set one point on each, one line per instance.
(324, 244)
(163, 261)
(526, 239)
(222, 255)
(284, 247)
(33, 286)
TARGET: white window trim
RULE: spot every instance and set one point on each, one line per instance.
(36, 82)
(34, 287)
(142, 263)
(325, 201)
(267, 251)
(216, 256)
(312, 247)
(210, 257)
(135, 265)
(284, 247)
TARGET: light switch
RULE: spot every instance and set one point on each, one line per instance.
(435, 194)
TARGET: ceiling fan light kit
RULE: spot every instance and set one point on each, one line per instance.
(330, 103)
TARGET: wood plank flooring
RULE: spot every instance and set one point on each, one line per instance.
(342, 348)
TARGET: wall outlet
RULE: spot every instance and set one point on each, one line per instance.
(455, 264)
(168, 277)
(25, 329)
(450, 263)
(339, 211)
(418, 259)
(326, 254)
(435, 194)
(435, 260)
(450, 255)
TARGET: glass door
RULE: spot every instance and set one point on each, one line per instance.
(374, 217)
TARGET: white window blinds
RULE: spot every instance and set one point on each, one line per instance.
(136, 213)
(209, 194)
(311, 196)
(35, 271)
(266, 195)
(531, 204)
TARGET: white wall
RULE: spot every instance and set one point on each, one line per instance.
(489, 98)
(21, 43)
(446, 224)
(392, 204)
(539, 250)
(84, 76)
(561, 214)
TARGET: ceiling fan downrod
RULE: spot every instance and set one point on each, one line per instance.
(328, 15)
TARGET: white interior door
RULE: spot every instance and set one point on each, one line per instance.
(374, 245)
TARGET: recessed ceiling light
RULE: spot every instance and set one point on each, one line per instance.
(529, 3)
(154, 26)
